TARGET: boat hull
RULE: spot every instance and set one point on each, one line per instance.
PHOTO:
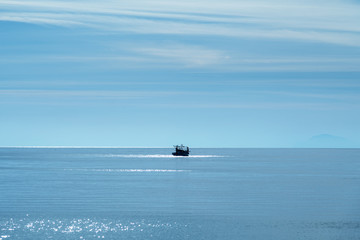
(184, 154)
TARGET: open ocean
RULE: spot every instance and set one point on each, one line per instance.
(145, 193)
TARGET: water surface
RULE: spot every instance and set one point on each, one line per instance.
(117, 193)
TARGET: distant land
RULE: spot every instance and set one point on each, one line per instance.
(326, 141)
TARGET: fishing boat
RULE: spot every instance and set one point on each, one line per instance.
(181, 150)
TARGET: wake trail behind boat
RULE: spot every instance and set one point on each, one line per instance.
(156, 156)
(126, 170)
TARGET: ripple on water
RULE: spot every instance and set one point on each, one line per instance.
(83, 228)
(202, 228)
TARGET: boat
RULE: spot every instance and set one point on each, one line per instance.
(181, 150)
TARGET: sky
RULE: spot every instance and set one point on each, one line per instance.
(204, 73)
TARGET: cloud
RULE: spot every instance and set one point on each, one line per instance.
(259, 106)
(231, 25)
(95, 94)
(191, 56)
(334, 22)
(182, 56)
(306, 95)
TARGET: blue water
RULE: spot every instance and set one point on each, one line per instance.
(118, 193)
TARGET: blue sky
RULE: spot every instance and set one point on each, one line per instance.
(158, 73)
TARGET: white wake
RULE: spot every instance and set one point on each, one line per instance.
(156, 156)
(124, 170)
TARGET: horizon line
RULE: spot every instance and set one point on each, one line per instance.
(77, 147)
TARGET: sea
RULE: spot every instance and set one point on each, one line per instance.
(146, 193)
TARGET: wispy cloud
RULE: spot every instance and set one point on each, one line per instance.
(315, 95)
(261, 106)
(191, 56)
(105, 94)
(226, 98)
(334, 22)
(182, 29)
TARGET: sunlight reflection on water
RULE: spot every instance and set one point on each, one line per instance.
(95, 228)
(77, 228)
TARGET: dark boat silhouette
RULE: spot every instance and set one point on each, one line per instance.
(181, 150)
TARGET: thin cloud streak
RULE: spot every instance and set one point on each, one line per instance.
(189, 55)
(295, 99)
(93, 94)
(182, 56)
(305, 95)
(261, 105)
(253, 83)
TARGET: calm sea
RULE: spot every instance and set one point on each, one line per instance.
(145, 193)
